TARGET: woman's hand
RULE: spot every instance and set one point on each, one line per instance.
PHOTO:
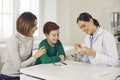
(78, 47)
(40, 52)
(87, 51)
(84, 50)
(62, 57)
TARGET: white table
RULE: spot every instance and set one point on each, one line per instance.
(71, 71)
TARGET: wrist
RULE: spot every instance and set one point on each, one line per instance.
(34, 57)
(93, 53)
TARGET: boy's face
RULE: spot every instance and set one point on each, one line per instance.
(53, 36)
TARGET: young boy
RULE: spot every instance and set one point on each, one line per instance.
(54, 48)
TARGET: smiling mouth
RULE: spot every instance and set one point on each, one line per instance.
(55, 40)
(87, 31)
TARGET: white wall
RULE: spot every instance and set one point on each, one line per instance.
(48, 13)
(69, 10)
(50, 10)
(63, 20)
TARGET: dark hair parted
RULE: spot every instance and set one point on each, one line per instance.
(86, 17)
(25, 23)
(49, 26)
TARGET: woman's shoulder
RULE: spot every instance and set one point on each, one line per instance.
(103, 32)
(107, 33)
(12, 40)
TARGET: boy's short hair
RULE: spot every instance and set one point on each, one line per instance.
(49, 26)
(25, 23)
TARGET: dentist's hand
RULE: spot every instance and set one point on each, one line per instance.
(77, 47)
(84, 50)
(40, 52)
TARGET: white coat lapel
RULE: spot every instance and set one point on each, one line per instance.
(97, 34)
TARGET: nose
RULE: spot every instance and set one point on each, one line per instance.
(57, 36)
(84, 30)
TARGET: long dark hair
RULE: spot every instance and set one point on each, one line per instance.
(86, 17)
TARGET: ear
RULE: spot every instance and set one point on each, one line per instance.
(91, 21)
(46, 34)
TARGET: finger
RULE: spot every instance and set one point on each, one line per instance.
(44, 50)
(43, 47)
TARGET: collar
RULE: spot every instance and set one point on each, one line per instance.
(22, 37)
(97, 32)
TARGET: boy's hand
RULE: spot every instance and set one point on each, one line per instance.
(62, 57)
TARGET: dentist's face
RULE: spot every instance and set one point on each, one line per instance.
(86, 26)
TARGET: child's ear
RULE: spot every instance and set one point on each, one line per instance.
(46, 34)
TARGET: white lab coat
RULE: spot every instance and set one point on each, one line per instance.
(105, 47)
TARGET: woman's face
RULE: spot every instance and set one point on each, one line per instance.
(32, 31)
(53, 36)
(87, 27)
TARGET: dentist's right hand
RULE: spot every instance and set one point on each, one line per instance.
(40, 52)
(81, 49)
(77, 47)
(84, 50)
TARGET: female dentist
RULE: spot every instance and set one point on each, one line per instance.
(100, 47)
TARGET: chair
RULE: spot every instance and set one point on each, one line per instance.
(2, 51)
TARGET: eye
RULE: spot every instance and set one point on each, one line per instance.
(83, 26)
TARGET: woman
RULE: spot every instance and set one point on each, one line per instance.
(54, 48)
(19, 47)
(100, 47)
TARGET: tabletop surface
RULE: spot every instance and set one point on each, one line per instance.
(71, 71)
